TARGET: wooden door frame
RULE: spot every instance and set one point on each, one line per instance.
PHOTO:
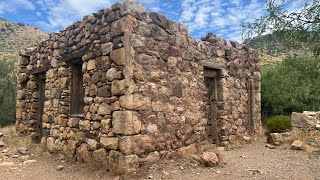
(213, 75)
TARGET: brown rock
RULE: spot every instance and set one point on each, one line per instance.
(118, 87)
(83, 154)
(111, 74)
(191, 149)
(297, 145)
(106, 48)
(92, 144)
(93, 90)
(51, 144)
(21, 94)
(210, 159)
(104, 91)
(84, 125)
(118, 56)
(96, 77)
(104, 109)
(91, 65)
(135, 102)
(100, 156)
(125, 122)
(105, 125)
(120, 164)
(152, 158)
(275, 139)
(138, 144)
(109, 142)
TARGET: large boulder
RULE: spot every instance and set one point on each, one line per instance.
(304, 120)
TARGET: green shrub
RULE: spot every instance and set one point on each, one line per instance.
(291, 86)
(278, 124)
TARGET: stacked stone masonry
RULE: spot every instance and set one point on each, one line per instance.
(144, 87)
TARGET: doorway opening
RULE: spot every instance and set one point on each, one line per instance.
(41, 94)
(211, 77)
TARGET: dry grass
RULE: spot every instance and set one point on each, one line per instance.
(310, 137)
(13, 141)
(8, 130)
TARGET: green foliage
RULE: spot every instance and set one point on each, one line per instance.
(7, 92)
(290, 27)
(278, 124)
(293, 85)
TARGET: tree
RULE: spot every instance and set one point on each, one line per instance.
(7, 92)
(291, 86)
(289, 26)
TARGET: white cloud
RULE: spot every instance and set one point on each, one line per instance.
(13, 5)
(216, 15)
(62, 13)
(222, 17)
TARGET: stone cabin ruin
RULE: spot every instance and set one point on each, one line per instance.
(125, 82)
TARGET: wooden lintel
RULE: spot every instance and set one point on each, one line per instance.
(39, 70)
(72, 56)
(210, 65)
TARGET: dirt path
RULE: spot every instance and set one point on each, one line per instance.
(253, 161)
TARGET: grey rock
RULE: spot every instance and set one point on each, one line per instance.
(23, 150)
(59, 168)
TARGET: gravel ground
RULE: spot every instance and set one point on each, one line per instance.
(253, 161)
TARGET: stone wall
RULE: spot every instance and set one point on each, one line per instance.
(144, 89)
(239, 66)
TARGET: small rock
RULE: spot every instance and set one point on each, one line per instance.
(181, 167)
(166, 173)
(150, 177)
(29, 161)
(247, 138)
(1, 144)
(59, 168)
(243, 156)
(318, 125)
(270, 146)
(24, 158)
(210, 159)
(275, 139)
(6, 164)
(15, 156)
(61, 156)
(23, 150)
(297, 145)
(221, 149)
(5, 151)
(1, 134)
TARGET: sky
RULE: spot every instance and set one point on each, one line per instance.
(221, 17)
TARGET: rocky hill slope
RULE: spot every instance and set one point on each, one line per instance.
(273, 49)
(17, 36)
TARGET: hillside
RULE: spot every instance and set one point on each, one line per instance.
(17, 36)
(273, 49)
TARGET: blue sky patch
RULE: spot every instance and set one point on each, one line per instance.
(221, 17)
